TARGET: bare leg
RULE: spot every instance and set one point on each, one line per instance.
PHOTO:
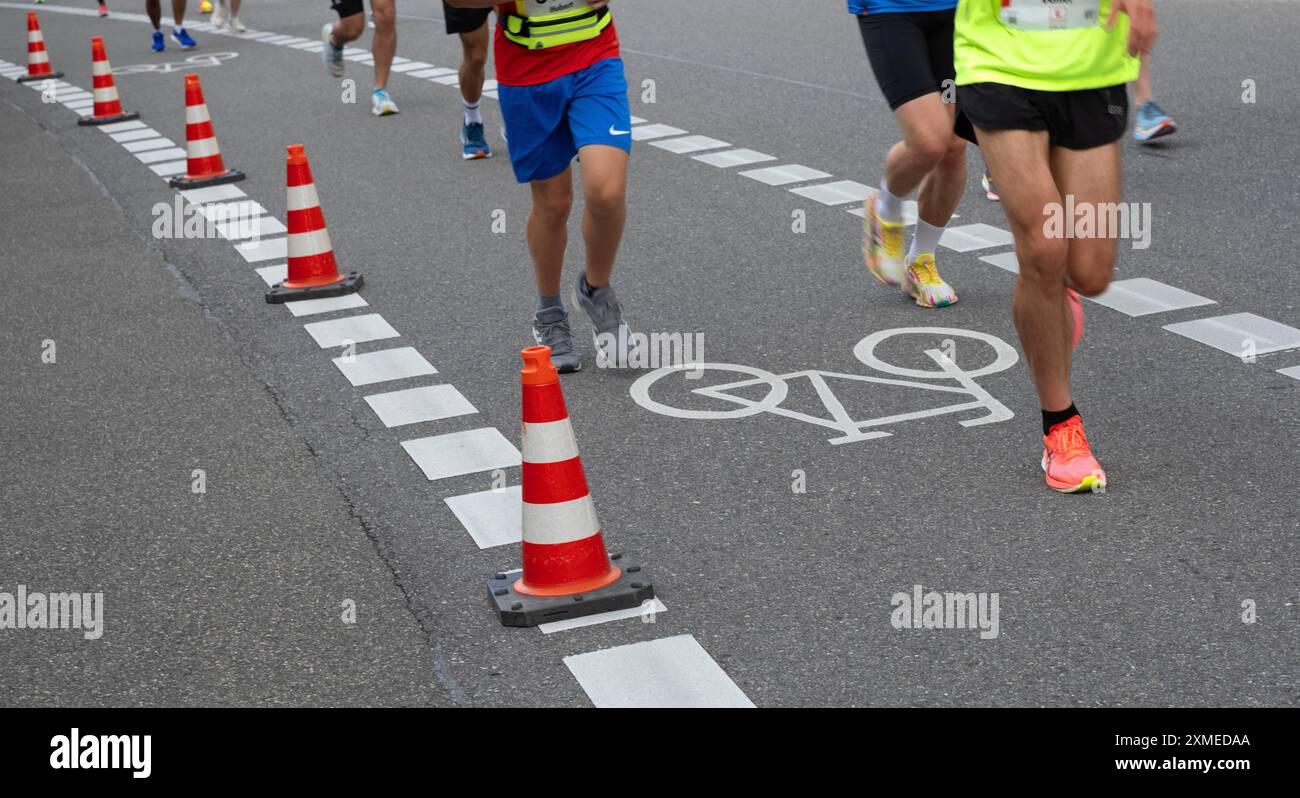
(348, 29)
(473, 63)
(943, 186)
(154, 9)
(178, 13)
(604, 190)
(927, 132)
(385, 41)
(1093, 177)
(1142, 86)
(548, 229)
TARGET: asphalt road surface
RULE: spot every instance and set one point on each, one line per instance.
(260, 535)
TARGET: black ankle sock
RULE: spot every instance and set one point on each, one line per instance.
(1053, 417)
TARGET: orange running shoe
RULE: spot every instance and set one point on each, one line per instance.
(1076, 311)
(1068, 461)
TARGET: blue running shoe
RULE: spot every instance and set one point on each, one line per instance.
(159, 43)
(182, 37)
(473, 142)
(1151, 122)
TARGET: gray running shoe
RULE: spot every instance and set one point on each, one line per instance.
(611, 334)
(551, 328)
(331, 55)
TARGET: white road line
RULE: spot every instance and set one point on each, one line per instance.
(685, 144)
(266, 249)
(909, 211)
(428, 73)
(785, 174)
(457, 453)
(274, 274)
(118, 127)
(309, 307)
(1003, 260)
(353, 329)
(1293, 372)
(417, 405)
(226, 191)
(1239, 334)
(234, 209)
(491, 517)
(840, 192)
(149, 144)
(967, 237)
(257, 227)
(168, 169)
(647, 132)
(447, 80)
(384, 366)
(668, 672)
(411, 66)
(1142, 296)
(656, 607)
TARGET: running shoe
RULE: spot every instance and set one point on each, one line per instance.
(551, 328)
(923, 283)
(990, 191)
(236, 25)
(1076, 313)
(1151, 122)
(330, 55)
(381, 104)
(472, 141)
(1068, 462)
(182, 37)
(219, 16)
(610, 333)
(205, 7)
(103, 9)
(159, 43)
(882, 245)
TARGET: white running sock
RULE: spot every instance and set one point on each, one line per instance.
(888, 206)
(925, 239)
(472, 114)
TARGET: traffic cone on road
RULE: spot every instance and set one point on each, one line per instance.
(313, 274)
(203, 165)
(566, 572)
(108, 108)
(38, 61)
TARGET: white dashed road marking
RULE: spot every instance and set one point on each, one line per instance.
(656, 607)
(647, 132)
(384, 365)
(457, 453)
(1240, 333)
(841, 192)
(786, 174)
(149, 144)
(417, 405)
(352, 329)
(685, 144)
(267, 249)
(491, 517)
(668, 672)
(309, 307)
(1142, 296)
(155, 156)
(967, 237)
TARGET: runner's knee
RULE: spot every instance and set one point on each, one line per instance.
(385, 17)
(349, 28)
(1042, 258)
(929, 149)
(1091, 282)
(552, 206)
(605, 198)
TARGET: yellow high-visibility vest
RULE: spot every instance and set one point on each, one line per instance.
(538, 24)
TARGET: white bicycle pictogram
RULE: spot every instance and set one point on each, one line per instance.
(167, 67)
(850, 429)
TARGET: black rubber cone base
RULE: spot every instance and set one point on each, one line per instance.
(30, 78)
(515, 609)
(350, 283)
(108, 120)
(183, 182)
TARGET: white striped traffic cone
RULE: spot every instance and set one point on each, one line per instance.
(313, 273)
(203, 165)
(108, 108)
(38, 61)
(566, 572)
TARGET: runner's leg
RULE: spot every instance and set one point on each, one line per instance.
(548, 229)
(385, 39)
(604, 191)
(473, 64)
(1092, 176)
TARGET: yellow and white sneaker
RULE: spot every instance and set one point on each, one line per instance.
(882, 245)
(923, 283)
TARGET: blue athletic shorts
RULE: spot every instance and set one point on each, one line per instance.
(546, 124)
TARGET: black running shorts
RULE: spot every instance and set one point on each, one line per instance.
(463, 20)
(1076, 120)
(910, 53)
(348, 8)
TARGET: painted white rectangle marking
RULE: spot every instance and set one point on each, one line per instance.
(909, 211)
(417, 405)
(656, 607)
(724, 160)
(353, 329)
(80, 105)
(266, 249)
(273, 274)
(636, 120)
(668, 672)
(685, 144)
(169, 168)
(118, 127)
(967, 237)
(236, 209)
(360, 58)
(647, 132)
(490, 85)
(1004, 260)
(457, 453)
(294, 41)
(430, 73)
(261, 36)
(492, 94)
(151, 144)
(491, 517)
(134, 135)
(213, 194)
(840, 192)
(384, 365)
(307, 45)
(1142, 296)
(280, 39)
(309, 307)
(257, 227)
(411, 66)
(447, 80)
(785, 174)
(1240, 333)
(1293, 372)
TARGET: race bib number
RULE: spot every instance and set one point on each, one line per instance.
(541, 8)
(1050, 14)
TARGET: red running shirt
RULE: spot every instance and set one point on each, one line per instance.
(518, 66)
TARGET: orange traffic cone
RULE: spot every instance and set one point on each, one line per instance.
(313, 274)
(108, 108)
(38, 61)
(566, 573)
(203, 165)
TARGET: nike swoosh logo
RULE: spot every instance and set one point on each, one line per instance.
(614, 132)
